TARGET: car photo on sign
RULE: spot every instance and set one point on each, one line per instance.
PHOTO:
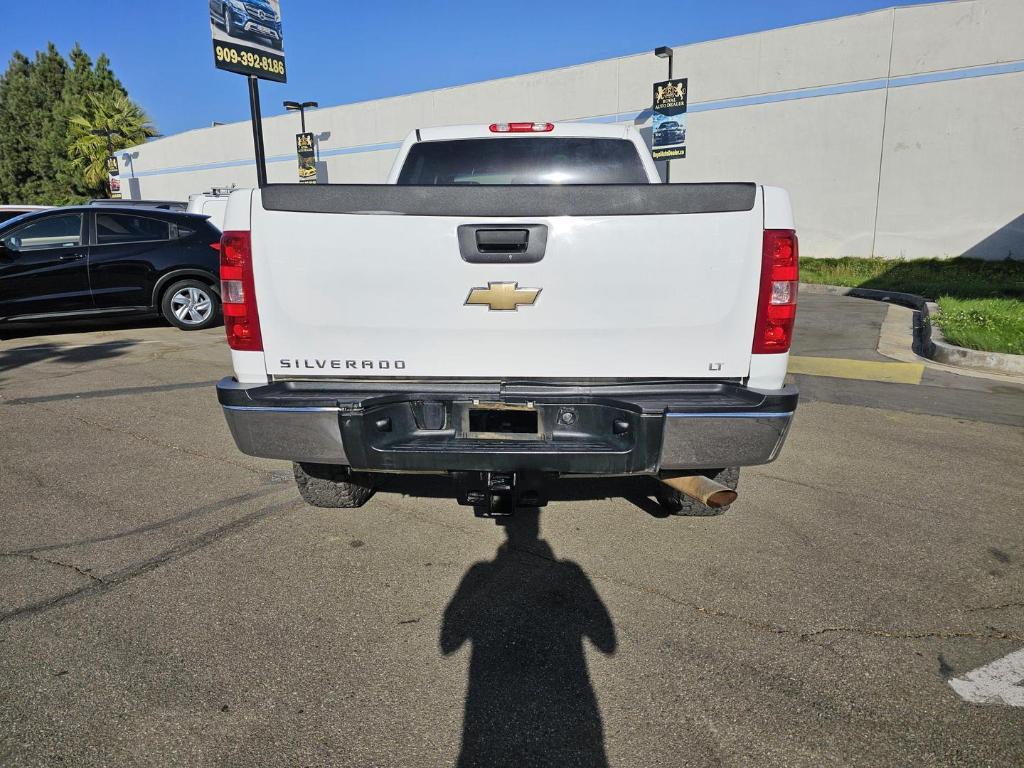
(669, 130)
(307, 168)
(254, 23)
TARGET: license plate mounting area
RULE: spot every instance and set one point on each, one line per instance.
(500, 421)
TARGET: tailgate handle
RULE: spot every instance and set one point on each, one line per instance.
(509, 244)
(502, 240)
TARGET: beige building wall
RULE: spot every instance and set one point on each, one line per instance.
(898, 133)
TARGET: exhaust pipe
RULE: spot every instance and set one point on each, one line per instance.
(703, 489)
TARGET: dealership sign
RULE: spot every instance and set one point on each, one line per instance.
(669, 123)
(307, 158)
(113, 177)
(248, 38)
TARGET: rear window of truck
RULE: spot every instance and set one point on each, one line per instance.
(547, 160)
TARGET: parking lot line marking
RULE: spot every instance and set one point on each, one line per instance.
(864, 370)
(999, 682)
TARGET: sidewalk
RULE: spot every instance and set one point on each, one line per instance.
(835, 358)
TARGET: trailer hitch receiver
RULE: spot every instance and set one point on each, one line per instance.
(498, 494)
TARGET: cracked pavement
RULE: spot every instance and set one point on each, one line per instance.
(169, 601)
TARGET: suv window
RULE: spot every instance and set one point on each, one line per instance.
(8, 215)
(129, 228)
(547, 160)
(52, 232)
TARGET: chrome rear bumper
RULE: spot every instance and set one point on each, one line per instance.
(678, 426)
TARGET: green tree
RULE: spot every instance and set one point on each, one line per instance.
(47, 137)
(30, 139)
(15, 100)
(83, 79)
(110, 121)
(45, 106)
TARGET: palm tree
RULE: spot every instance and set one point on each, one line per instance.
(108, 122)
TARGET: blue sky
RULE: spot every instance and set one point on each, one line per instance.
(340, 52)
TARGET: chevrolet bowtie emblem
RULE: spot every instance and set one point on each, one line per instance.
(504, 297)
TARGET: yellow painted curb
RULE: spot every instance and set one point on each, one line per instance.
(864, 370)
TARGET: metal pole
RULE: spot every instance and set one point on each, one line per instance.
(302, 117)
(668, 163)
(257, 131)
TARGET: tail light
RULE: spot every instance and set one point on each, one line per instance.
(522, 127)
(238, 292)
(776, 300)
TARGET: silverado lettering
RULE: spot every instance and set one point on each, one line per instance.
(317, 363)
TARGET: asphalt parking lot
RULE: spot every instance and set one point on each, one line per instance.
(169, 601)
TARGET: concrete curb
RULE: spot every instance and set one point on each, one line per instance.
(928, 340)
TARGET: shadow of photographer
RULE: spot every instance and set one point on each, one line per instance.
(529, 700)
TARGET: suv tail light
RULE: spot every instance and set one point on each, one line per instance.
(238, 292)
(522, 127)
(776, 300)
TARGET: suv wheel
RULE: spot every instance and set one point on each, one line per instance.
(190, 305)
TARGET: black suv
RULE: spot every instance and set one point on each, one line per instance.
(92, 260)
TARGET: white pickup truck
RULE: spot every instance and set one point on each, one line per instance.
(520, 302)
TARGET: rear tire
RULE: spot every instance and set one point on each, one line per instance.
(332, 486)
(190, 305)
(680, 504)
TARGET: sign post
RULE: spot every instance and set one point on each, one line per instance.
(248, 38)
(257, 131)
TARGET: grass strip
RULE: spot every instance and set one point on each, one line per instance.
(981, 303)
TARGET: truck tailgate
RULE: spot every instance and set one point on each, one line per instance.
(648, 282)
